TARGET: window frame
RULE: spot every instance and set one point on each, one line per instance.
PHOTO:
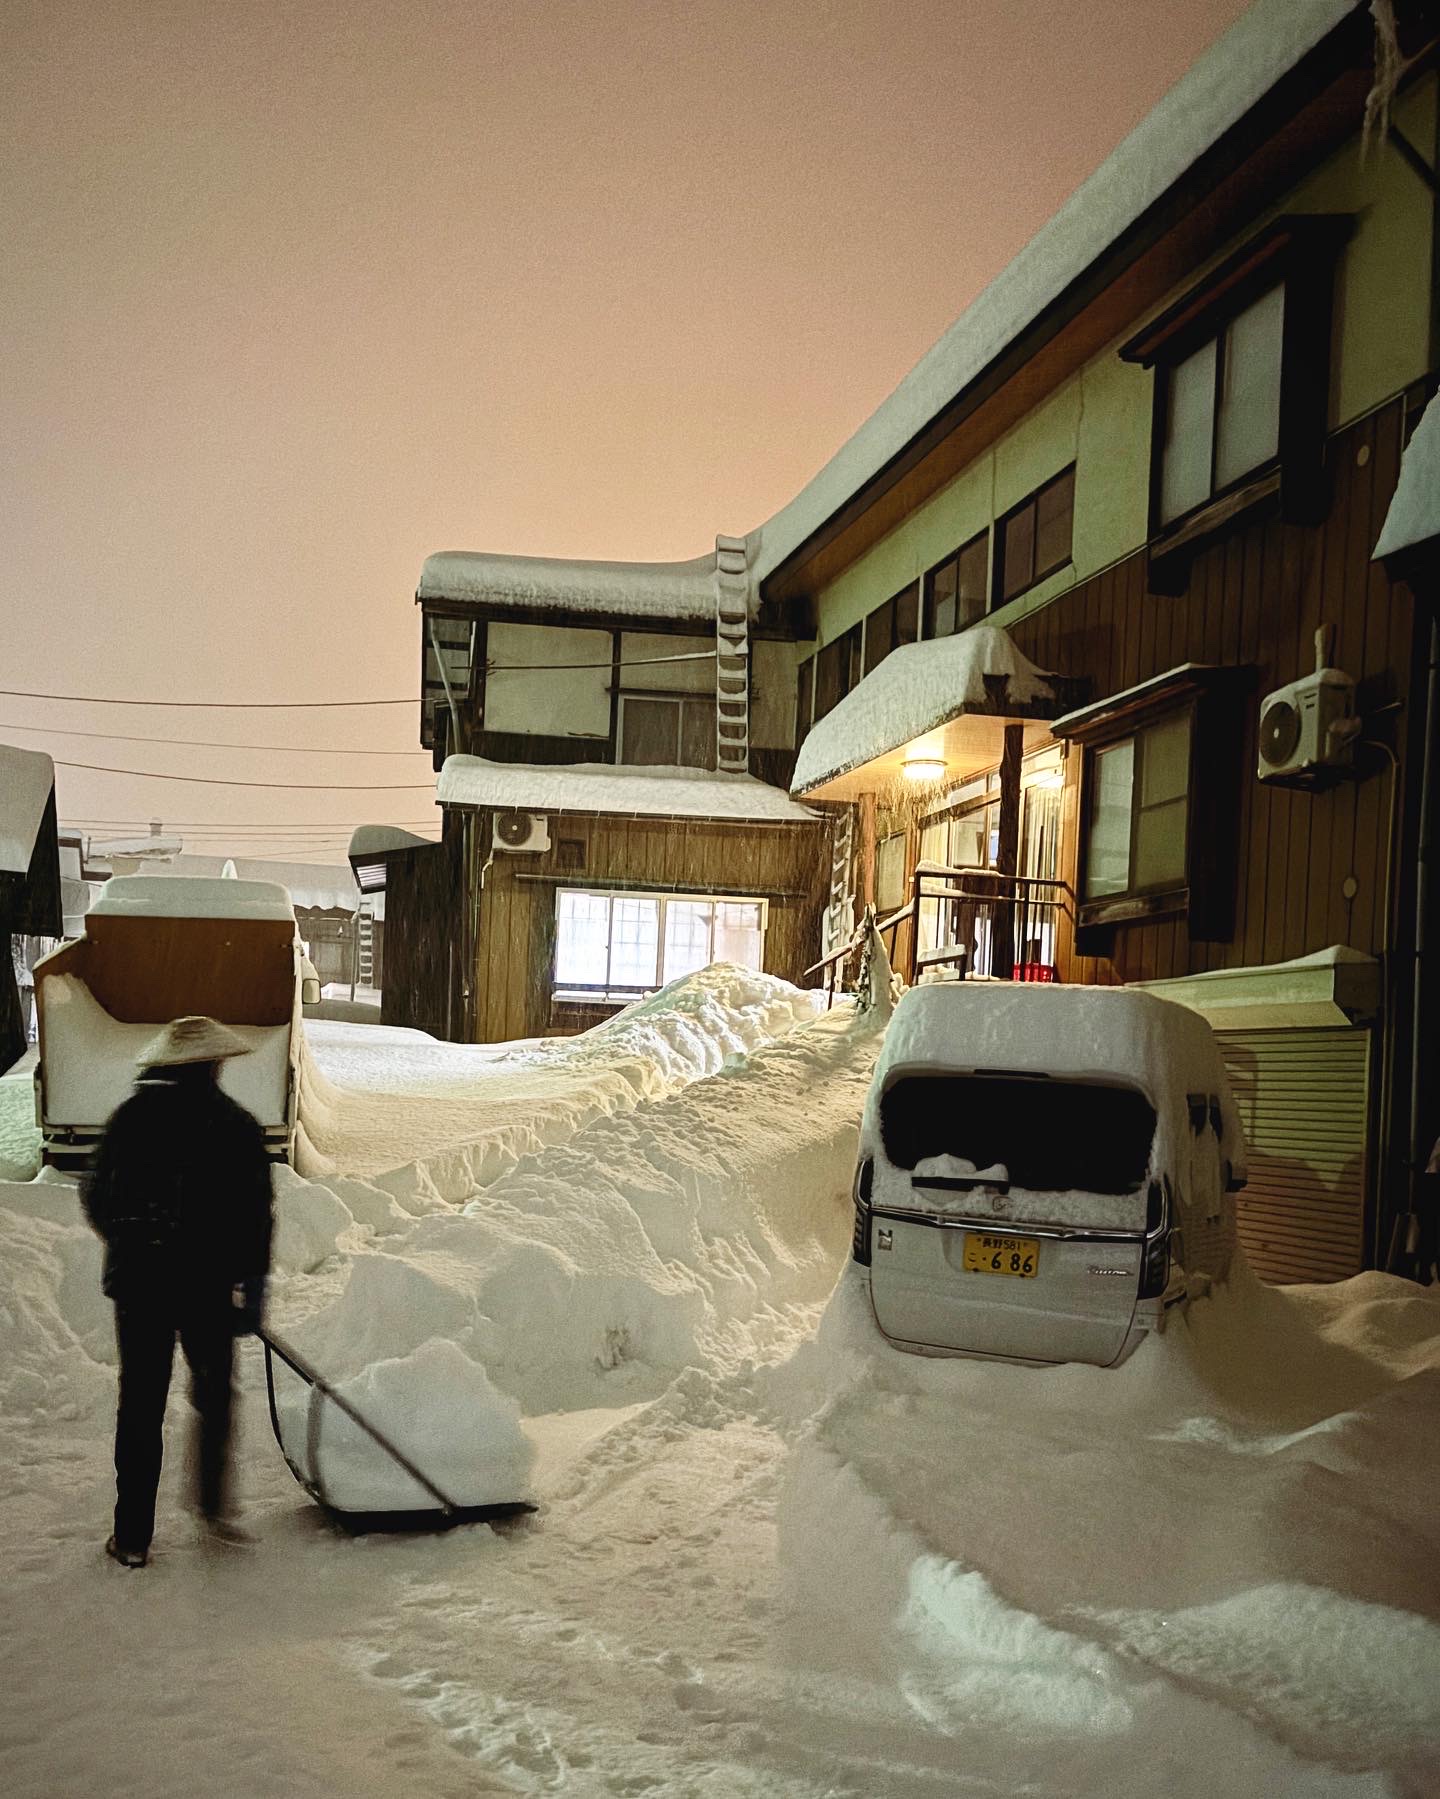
(660, 697)
(1296, 253)
(1156, 897)
(998, 596)
(620, 993)
(979, 540)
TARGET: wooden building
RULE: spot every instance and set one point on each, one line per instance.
(1155, 459)
(614, 743)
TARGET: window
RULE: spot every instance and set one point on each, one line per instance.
(891, 624)
(617, 946)
(804, 696)
(1138, 817)
(1221, 409)
(890, 873)
(1034, 538)
(955, 590)
(837, 669)
(1242, 365)
(664, 730)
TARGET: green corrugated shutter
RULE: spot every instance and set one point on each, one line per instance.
(1304, 1101)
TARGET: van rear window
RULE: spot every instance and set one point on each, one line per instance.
(1052, 1136)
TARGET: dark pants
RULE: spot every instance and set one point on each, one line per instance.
(146, 1337)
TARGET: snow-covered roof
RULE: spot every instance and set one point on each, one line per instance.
(1263, 45)
(379, 840)
(308, 884)
(645, 591)
(167, 896)
(913, 695)
(603, 787)
(27, 779)
(151, 848)
(1414, 515)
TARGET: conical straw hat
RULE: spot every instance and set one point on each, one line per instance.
(193, 1039)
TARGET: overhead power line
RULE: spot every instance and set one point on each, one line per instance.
(203, 743)
(93, 699)
(149, 774)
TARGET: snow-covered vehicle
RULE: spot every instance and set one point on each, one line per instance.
(1044, 1172)
(156, 948)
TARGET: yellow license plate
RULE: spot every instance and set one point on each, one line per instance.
(985, 1254)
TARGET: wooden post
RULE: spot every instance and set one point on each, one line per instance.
(866, 858)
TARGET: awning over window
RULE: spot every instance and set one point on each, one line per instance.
(943, 701)
(471, 781)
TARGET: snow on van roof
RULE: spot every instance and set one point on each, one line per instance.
(1041, 1028)
(27, 779)
(642, 590)
(169, 896)
(1414, 515)
(916, 689)
(606, 787)
(1213, 95)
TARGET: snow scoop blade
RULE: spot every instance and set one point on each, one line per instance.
(444, 1514)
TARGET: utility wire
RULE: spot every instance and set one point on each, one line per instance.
(202, 743)
(149, 774)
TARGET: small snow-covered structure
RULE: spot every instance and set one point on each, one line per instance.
(1044, 1171)
(30, 891)
(939, 702)
(157, 948)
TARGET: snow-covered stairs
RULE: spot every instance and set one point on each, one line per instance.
(732, 657)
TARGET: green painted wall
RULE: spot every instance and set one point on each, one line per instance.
(1100, 419)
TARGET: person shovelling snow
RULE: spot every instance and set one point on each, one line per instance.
(180, 1193)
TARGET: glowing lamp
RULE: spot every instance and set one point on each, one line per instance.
(922, 768)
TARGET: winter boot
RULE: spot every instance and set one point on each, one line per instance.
(227, 1532)
(127, 1558)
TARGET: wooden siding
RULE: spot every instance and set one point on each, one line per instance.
(422, 918)
(786, 864)
(1255, 599)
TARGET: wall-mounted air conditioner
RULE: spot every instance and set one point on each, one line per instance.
(1308, 728)
(520, 833)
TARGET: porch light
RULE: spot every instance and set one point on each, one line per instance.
(923, 768)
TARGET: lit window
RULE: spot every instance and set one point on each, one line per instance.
(618, 946)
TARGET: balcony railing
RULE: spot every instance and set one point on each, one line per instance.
(972, 921)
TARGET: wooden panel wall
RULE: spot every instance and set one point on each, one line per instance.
(422, 919)
(1256, 598)
(786, 864)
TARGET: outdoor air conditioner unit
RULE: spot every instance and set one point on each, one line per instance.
(1308, 728)
(520, 833)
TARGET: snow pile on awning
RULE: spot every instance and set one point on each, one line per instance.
(380, 840)
(1234, 76)
(622, 790)
(27, 779)
(166, 896)
(1414, 515)
(645, 591)
(918, 689)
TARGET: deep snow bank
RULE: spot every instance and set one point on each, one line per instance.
(374, 1101)
(703, 1228)
(1244, 1506)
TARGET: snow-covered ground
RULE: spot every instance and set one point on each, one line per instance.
(773, 1556)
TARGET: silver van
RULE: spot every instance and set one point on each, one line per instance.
(1044, 1172)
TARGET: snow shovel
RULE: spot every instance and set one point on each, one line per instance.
(444, 1514)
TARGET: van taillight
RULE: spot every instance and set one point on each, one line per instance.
(864, 1186)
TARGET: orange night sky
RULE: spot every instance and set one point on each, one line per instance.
(297, 294)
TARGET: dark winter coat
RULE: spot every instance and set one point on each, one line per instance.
(180, 1191)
